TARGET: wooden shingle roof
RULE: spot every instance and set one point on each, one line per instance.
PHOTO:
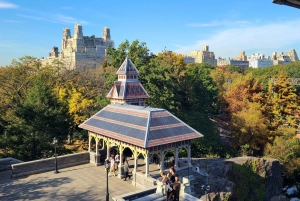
(141, 126)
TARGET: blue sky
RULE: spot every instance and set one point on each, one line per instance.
(33, 27)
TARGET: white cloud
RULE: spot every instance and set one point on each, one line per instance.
(56, 18)
(4, 5)
(217, 23)
(33, 17)
(68, 19)
(231, 41)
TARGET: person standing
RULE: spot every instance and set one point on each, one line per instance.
(126, 170)
(117, 160)
(175, 184)
(112, 166)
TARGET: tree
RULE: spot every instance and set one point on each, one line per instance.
(223, 79)
(136, 51)
(234, 69)
(243, 90)
(248, 126)
(188, 92)
(40, 117)
(246, 106)
(286, 148)
(282, 106)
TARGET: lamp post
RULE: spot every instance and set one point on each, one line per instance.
(55, 143)
(205, 188)
(107, 166)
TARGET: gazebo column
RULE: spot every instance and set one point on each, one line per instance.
(189, 155)
(107, 150)
(120, 171)
(135, 158)
(162, 160)
(147, 159)
(176, 157)
(97, 156)
(90, 142)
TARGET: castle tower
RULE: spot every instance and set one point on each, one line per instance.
(128, 89)
(106, 33)
(78, 31)
(66, 33)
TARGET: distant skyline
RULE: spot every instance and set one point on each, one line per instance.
(227, 27)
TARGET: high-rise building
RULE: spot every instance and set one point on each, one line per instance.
(202, 56)
(81, 52)
(259, 61)
(242, 56)
(286, 58)
(233, 62)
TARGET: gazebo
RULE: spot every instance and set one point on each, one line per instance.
(128, 123)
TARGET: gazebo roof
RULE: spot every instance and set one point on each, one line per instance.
(128, 86)
(127, 90)
(127, 68)
(141, 126)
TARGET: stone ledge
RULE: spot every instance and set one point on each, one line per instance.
(44, 165)
(135, 194)
(5, 163)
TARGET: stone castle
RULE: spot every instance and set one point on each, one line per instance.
(80, 52)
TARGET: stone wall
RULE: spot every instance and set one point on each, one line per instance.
(269, 170)
(5, 163)
(44, 165)
(141, 181)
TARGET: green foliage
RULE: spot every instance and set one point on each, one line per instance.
(136, 51)
(249, 186)
(188, 92)
(263, 74)
(245, 150)
(42, 117)
(286, 148)
(236, 69)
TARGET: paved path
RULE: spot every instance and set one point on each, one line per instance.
(83, 182)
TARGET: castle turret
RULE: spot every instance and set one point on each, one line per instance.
(128, 89)
(66, 33)
(78, 31)
(106, 33)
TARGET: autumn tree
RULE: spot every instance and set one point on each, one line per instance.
(248, 126)
(243, 90)
(282, 106)
(223, 78)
